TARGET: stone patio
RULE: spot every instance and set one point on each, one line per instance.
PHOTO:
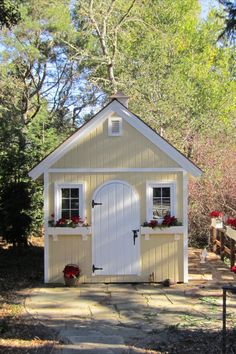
(130, 318)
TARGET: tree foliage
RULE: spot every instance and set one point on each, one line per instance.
(63, 59)
(14, 213)
(230, 19)
(164, 57)
(35, 86)
(215, 190)
(9, 13)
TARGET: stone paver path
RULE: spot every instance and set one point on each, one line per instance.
(123, 318)
(126, 318)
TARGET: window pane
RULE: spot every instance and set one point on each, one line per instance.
(166, 201)
(156, 213)
(161, 202)
(157, 203)
(69, 202)
(156, 192)
(74, 192)
(65, 214)
(75, 212)
(65, 204)
(65, 192)
(166, 192)
(165, 211)
(74, 204)
(157, 200)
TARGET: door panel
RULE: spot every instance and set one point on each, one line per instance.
(113, 221)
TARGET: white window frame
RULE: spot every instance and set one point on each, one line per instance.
(110, 120)
(149, 196)
(58, 200)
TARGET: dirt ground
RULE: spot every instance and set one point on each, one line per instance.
(22, 270)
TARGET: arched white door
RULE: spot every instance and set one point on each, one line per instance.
(115, 243)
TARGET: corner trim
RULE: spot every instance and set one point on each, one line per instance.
(46, 241)
(185, 224)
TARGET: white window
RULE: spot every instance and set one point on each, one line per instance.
(161, 200)
(115, 126)
(69, 200)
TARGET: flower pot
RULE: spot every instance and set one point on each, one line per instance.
(217, 223)
(71, 282)
(160, 221)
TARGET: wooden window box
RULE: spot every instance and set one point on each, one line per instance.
(231, 232)
(79, 230)
(175, 230)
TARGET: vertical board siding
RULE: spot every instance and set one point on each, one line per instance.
(132, 149)
(69, 249)
(113, 222)
(137, 180)
(160, 255)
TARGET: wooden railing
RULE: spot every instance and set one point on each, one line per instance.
(222, 244)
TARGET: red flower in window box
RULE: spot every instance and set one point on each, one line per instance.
(152, 223)
(231, 222)
(76, 219)
(61, 222)
(169, 221)
(216, 214)
(233, 269)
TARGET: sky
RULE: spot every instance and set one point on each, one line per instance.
(206, 4)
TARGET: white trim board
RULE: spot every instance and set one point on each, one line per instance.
(111, 170)
(46, 241)
(185, 224)
(149, 196)
(130, 118)
(57, 197)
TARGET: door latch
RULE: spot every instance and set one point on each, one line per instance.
(94, 203)
(95, 268)
(135, 232)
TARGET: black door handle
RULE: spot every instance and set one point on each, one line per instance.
(96, 268)
(135, 232)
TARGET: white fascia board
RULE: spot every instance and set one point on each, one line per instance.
(70, 142)
(157, 140)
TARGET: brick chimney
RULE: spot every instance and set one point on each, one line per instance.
(121, 98)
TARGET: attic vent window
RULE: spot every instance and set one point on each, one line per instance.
(115, 126)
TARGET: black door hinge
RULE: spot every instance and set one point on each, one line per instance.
(94, 204)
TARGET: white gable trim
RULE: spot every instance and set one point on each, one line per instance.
(69, 143)
(131, 119)
(157, 140)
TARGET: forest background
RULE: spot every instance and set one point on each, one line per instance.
(60, 62)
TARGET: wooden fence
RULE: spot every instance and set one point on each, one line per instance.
(222, 244)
